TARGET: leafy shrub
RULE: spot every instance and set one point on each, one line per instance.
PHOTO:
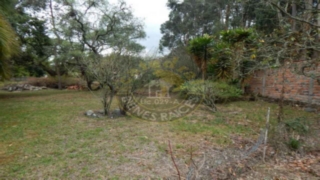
(220, 90)
(297, 125)
(221, 63)
(238, 35)
(293, 134)
(294, 144)
(293, 127)
(197, 45)
(52, 82)
(210, 92)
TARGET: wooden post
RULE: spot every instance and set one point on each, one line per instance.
(266, 135)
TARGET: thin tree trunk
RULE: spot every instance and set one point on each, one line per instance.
(316, 53)
(108, 101)
(308, 15)
(307, 27)
(227, 17)
(204, 64)
(56, 61)
(279, 15)
(294, 14)
(58, 73)
(249, 23)
(244, 16)
(105, 103)
(318, 19)
(281, 100)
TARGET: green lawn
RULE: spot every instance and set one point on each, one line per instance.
(45, 135)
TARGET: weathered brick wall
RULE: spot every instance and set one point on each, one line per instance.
(268, 83)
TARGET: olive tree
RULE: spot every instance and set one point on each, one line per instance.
(106, 36)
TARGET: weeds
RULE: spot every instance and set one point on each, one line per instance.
(299, 125)
(294, 144)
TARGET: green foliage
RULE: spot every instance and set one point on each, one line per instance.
(198, 46)
(294, 127)
(52, 82)
(8, 46)
(184, 60)
(193, 18)
(7, 6)
(266, 19)
(221, 65)
(31, 33)
(220, 90)
(237, 35)
(298, 125)
(294, 144)
(189, 19)
(20, 71)
(221, 69)
(115, 27)
(234, 56)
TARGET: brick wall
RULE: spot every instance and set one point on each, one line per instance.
(269, 82)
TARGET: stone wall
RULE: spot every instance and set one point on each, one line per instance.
(269, 83)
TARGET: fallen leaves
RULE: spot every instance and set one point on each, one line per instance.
(305, 164)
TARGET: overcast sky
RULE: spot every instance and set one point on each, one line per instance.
(153, 13)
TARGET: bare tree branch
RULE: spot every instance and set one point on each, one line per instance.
(174, 162)
(293, 17)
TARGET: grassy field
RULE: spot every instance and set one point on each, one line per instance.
(45, 135)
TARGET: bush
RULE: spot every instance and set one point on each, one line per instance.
(292, 134)
(298, 125)
(210, 92)
(220, 90)
(52, 82)
(294, 144)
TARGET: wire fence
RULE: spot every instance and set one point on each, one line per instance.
(227, 163)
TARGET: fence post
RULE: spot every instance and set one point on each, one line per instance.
(266, 135)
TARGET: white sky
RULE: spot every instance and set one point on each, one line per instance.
(153, 13)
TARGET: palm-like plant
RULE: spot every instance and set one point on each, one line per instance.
(8, 46)
(221, 64)
(199, 48)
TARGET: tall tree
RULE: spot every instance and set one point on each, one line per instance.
(194, 18)
(8, 46)
(190, 19)
(114, 29)
(31, 33)
(113, 25)
(57, 42)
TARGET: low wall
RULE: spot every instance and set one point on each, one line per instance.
(269, 83)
